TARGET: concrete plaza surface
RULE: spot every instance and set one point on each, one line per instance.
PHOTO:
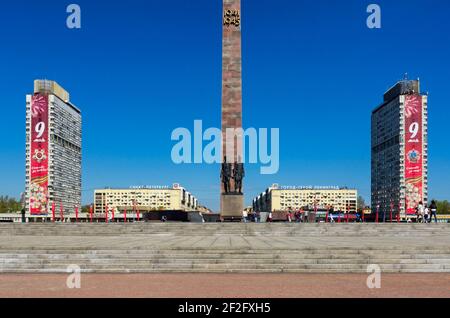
(225, 286)
(224, 248)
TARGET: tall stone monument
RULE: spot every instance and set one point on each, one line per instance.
(232, 173)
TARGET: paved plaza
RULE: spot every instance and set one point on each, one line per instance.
(225, 285)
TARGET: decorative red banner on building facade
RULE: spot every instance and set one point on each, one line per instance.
(39, 155)
(413, 152)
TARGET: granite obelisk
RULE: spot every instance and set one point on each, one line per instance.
(232, 200)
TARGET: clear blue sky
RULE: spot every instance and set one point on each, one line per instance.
(139, 69)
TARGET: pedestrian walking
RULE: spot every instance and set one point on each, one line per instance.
(433, 211)
(426, 214)
(330, 215)
(244, 216)
(298, 216)
(420, 213)
(269, 218)
(289, 216)
(358, 216)
(331, 218)
(258, 217)
(203, 219)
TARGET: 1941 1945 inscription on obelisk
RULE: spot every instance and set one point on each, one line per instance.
(232, 172)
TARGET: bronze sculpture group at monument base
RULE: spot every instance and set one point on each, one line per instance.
(232, 202)
(230, 172)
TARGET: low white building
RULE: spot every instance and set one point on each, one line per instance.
(145, 199)
(283, 198)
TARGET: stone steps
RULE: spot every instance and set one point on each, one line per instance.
(224, 248)
(224, 229)
(220, 271)
(134, 262)
(202, 250)
(253, 268)
(331, 263)
(217, 256)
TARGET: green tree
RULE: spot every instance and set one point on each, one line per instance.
(361, 203)
(8, 204)
(443, 207)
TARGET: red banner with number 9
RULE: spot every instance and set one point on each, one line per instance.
(413, 152)
(38, 192)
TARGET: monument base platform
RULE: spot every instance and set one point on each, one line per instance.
(231, 207)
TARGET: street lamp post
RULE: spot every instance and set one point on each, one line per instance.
(61, 212)
(390, 213)
(378, 211)
(339, 212)
(362, 214)
(53, 211)
(106, 213)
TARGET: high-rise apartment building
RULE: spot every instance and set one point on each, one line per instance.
(53, 150)
(400, 150)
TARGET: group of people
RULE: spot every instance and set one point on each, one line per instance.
(254, 217)
(297, 216)
(425, 214)
(290, 217)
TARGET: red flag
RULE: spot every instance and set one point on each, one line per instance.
(90, 212)
(125, 215)
(76, 214)
(53, 212)
(61, 212)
